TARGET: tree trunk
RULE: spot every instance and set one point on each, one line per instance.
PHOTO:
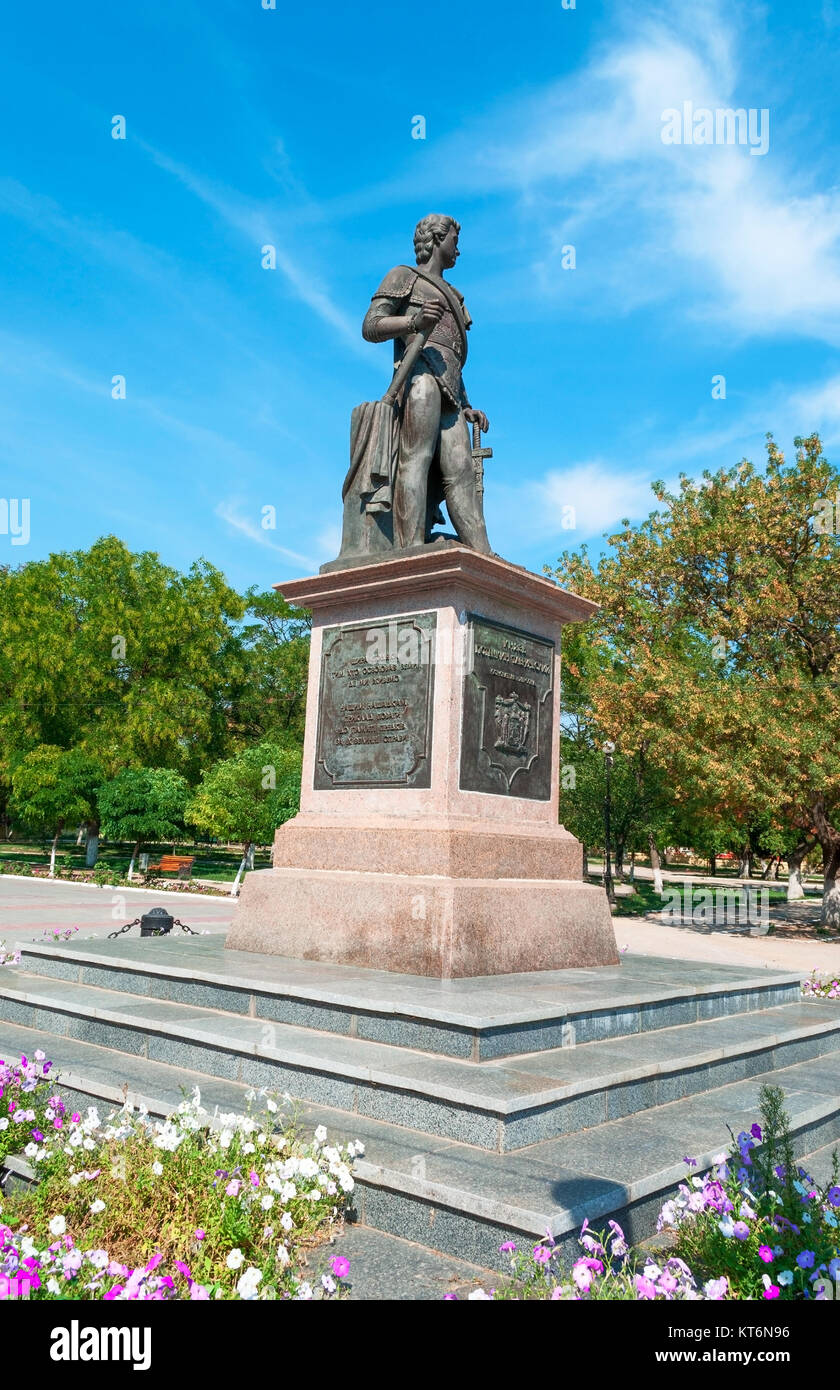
(80, 834)
(778, 867)
(619, 862)
(829, 839)
(831, 886)
(795, 889)
(744, 862)
(134, 854)
(92, 849)
(633, 866)
(248, 852)
(52, 855)
(768, 868)
(713, 864)
(656, 865)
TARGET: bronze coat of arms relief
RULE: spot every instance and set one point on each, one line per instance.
(507, 711)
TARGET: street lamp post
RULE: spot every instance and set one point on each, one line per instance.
(608, 750)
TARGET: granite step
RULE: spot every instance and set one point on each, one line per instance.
(463, 1202)
(500, 1105)
(478, 1020)
(819, 1163)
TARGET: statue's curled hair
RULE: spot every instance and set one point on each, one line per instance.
(430, 230)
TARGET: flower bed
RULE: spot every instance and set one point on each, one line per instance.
(815, 988)
(191, 1207)
(755, 1227)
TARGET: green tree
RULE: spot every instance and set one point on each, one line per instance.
(51, 786)
(245, 798)
(721, 630)
(143, 804)
(270, 698)
(120, 655)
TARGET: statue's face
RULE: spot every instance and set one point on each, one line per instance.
(449, 248)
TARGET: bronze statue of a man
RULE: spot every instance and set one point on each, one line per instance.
(394, 504)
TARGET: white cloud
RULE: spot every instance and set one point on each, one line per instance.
(750, 243)
(598, 493)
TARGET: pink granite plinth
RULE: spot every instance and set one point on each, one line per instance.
(432, 877)
(424, 925)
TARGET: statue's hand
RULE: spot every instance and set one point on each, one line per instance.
(477, 417)
(430, 315)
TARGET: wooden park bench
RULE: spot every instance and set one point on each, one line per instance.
(180, 864)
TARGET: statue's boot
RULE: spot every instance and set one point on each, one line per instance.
(464, 507)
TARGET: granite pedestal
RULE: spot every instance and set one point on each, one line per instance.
(428, 840)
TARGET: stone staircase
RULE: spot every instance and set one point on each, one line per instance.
(490, 1108)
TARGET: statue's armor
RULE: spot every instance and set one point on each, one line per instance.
(404, 292)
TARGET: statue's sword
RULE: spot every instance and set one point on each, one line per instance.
(478, 457)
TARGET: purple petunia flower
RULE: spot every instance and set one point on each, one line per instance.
(542, 1254)
(755, 1131)
(834, 1196)
(741, 1230)
(765, 1254)
(805, 1260)
(340, 1266)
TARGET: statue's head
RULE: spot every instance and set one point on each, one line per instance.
(433, 230)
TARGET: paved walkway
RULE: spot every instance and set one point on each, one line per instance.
(30, 906)
(644, 937)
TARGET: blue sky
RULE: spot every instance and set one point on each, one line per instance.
(245, 126)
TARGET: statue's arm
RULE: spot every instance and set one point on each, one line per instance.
(390, 314)
(385, 319)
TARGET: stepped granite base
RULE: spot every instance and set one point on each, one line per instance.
(490, 1108)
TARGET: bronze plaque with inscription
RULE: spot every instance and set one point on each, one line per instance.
(508, 711)
(375, 704)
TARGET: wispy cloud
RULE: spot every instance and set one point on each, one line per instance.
(230, 512)
(261, 226)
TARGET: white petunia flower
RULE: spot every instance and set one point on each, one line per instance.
(58, 1226)
(247, 1285)
(235, 1259)
(97, 1206)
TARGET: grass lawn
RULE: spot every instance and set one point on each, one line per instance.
(213, 862)
(644, 899)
